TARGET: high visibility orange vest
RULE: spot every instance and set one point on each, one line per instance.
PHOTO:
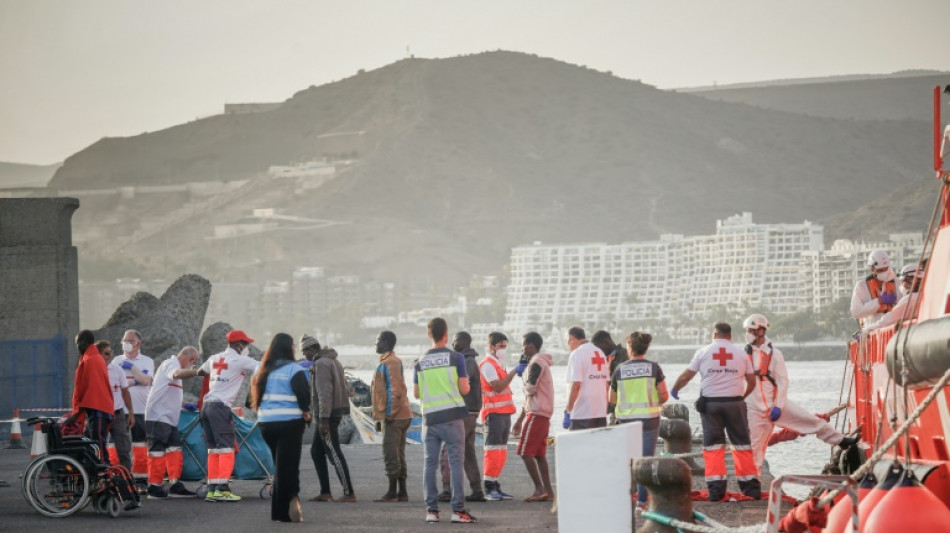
(875, 288)
(495, 402)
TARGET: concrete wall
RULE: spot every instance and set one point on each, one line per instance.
(39, 284)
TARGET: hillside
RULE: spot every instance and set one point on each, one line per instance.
(900, 96)
(463, 158)
(19, 175)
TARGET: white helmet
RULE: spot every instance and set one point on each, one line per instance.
(756, 321)
(910, 270)
(879, 259)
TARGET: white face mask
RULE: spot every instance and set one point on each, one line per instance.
(882, 276)
(246, 351)
(501, 353)
(126, 347)
(750, 337)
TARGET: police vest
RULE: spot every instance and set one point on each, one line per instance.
(876, 286)
(495, 402)
(438, 383)
(637, 397)
(279, 401)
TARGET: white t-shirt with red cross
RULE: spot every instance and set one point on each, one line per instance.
(137, 391)
(164, 402)
(588, 366)
(227, 370)
(723, 367)
(117, 382)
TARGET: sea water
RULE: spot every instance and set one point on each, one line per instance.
(814, 385)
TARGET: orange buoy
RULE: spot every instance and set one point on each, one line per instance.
(908, 506)
(876, 495)
(840, 516)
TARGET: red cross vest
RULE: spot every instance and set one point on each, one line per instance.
(874, 287)
(495, 402)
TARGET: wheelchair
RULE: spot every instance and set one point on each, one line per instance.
(70, 476)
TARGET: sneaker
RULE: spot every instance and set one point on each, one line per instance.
(156, 492)
(178, 490)
(445, 496)
(462, 517)
(141, 485)
(493, 496)
(432, 516)
(476, 497)
(226, 496)
(502, 494)
(212, 495)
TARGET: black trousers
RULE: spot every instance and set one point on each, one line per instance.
(328, 449)
(284, 439)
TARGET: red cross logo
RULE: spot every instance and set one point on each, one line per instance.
(220, 365)
(598, 360)
(115, 388)
(722, 356)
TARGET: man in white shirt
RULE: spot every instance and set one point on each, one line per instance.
(588, 377)
(139, 370)
(226, 370)
(121, 451)
(727, 378)
(875, 294)
(162, 412)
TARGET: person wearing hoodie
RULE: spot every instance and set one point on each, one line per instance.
(331, 403)
(539, 406)
(638, 388)
(393, 415)
(473, 402)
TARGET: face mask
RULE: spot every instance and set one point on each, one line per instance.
(500, 353)
(246, 351)
(882, 276)
(126, 347)
(750, 337)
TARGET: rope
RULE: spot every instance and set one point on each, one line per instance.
(680, 525)
(876, 456)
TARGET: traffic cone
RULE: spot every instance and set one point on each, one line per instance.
(909, 506)
(875, 496)
(38, 447)
(840, 516)
(16, 438)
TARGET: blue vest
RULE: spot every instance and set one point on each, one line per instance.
(279, 402)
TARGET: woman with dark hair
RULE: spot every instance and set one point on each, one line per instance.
(638, 388)
(280, 392)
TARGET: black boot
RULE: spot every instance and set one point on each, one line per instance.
(847, 442)
(390, 495)
(402, 495)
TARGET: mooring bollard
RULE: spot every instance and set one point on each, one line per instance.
(677, 411)
(678, 438)
(669, 482)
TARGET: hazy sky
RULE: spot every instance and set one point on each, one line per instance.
(72, 72)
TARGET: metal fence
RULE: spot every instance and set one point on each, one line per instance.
(32, 373)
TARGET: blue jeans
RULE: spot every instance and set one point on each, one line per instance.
(649, 449)
(452, 435)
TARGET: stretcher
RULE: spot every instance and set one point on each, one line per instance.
(252, 459)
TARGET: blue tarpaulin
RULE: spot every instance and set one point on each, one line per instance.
(246, 466)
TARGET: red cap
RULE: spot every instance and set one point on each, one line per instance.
(238, 335)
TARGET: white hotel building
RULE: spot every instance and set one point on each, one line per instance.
(780, 268)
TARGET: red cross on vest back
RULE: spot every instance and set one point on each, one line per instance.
(598, 360)
(722, 356)
(220, 365)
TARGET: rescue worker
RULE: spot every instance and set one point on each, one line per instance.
(121, 451)
(638, 388)
(588, 379)
(616, 354)
(393, 415)
(539, 407)
(281, 394)
(139, 369)
(727, 378)
(911, 278)
(876, 294)
(439, 382)
(497, 408)
(226, 371)
(331, 397)
(769, 405)
(92, 396)
(162, 411)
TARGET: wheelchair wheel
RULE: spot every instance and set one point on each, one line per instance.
(101, 502)
(201, 491)
(114, 507)
(57, 486)
(24, 489)
(267, 491)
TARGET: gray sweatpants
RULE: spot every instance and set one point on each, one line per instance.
(122, 439)
(452, 434)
